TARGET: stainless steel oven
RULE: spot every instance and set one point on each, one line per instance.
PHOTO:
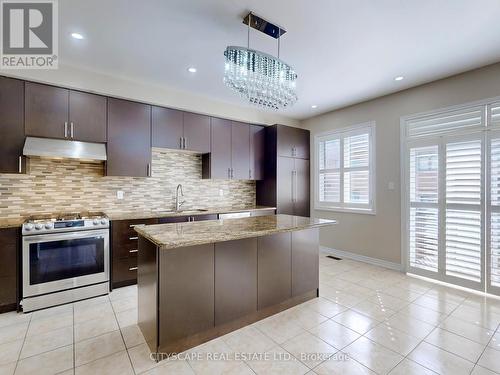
(64, 262)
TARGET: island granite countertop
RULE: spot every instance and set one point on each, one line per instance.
(171, 236)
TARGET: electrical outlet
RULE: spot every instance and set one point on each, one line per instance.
(120, 194)
(221, 193)
(391, 185)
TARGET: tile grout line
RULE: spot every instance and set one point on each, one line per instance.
(24, 341)
(486, 347)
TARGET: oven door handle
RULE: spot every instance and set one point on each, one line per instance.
(66, 236)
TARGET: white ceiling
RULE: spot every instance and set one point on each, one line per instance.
(345, 51)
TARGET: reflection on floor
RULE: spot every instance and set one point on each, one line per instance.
(367, 320)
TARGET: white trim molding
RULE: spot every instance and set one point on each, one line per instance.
(361, 258)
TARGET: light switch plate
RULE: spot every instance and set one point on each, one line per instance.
(120, 194)
(390, 185)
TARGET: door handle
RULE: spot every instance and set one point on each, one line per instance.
(132, 269)
(232, 173)
(184, 143)
(133, 251)
(133, 238)
(65, 129)
(293, 188)
(229, 172)
(20, 164)
(71, 131)
(148, 170)
(180, 142)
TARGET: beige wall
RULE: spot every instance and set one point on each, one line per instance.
(379, 236)
(121, 87)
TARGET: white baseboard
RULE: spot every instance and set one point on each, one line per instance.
(361, 258)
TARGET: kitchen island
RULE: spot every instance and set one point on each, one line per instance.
(201, 280)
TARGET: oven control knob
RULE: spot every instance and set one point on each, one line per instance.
(38, 226)
(95, 222)
(103, 221)
(28, 226)
(48, 225)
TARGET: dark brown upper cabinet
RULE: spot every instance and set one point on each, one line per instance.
(12, 125)
(293, 142)
(257, 141)
(129, 138)
(196, 132)
(54, 112)
(240, 151)
(230, 152)
(167, 128)
(46, 111)
(87, 117)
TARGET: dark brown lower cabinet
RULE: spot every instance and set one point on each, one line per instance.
(9, 248)
(186, 291)
(305, 265)
(274, 269)
(235, 279)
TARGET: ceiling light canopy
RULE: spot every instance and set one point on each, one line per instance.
(399, 78)
(192, 70)
(77, 36)
(260, 78)
(314, 106)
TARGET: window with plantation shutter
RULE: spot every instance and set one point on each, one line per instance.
(494, 253)
(344, 169)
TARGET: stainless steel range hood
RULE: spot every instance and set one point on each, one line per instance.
(58, 148)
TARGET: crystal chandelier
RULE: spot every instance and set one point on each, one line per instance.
(260, 78)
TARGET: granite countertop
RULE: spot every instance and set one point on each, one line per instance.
(147, 214)
(170, 236)
(151, 214)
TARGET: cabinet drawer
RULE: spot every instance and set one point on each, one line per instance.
(125, 270)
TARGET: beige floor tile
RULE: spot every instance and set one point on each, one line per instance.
(248, 340)
(123, 304)
(279, 329)
(449, 294)
(8, 368)
(402, 293)
(439, 360)
(373, 310)
(91, 301)
(50, 323)
(409, 325)
(127, 318)
(393, 339)
(140, 356)
(490, 359)
(13, 332)
(478, 370)
(44, 342)
(214, 357)
(97, 347)
(324, 306)
(478, 316)
(344, 299)
(495, 341)
(84, 313)
(468, 330)
(342, 367)
(356, 321)
(132, 336)
(442, 306)
(387, 301)
(52, 311)
(309, 349)
(305, 318)
(277, 361)
(372, 355)
(484, 303)
(407, 367)
(96, 327)
(52, 362)
(423, 314)
(126, 292)
(335, 334)
(13, 318)
(116, 364)
(455, 344)
(172, 367)
(9, 352)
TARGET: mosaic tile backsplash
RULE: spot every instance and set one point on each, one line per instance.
(72, 185)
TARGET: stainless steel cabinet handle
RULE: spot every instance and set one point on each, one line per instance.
(180, 142)
(20, 164)
(184, 143)
(250, 173)
(71, 131)
(65, 129)
(134, 225)
(133, 238)
(229, 172)
(133, 251)
(293, 186)
(148, 170)
(232, 173)
(132, 269)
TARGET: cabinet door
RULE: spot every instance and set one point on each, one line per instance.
(87, 116)
(167, 128)
(173, 219)
(197, 132)
(129, 138)
(305, 261)
(220, 158)
(293, 142)
(274, 269)
(240, 151)
(285, 185)
(257, 139)
(46, 111)
(8, 269)
(301, 188)
(235, 279)
(12, 124)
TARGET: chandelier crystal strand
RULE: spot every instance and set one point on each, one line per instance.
(262, 79)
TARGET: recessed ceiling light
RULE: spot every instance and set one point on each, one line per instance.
(399, 78)
(192, 70)
(77, 35)
(314, 106)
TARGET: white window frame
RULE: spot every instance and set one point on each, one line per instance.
(342, 133)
